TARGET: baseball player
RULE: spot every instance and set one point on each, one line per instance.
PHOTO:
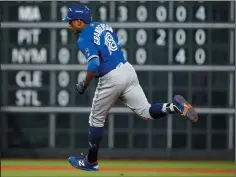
(117, 80)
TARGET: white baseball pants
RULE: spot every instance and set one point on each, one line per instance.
(121, 83)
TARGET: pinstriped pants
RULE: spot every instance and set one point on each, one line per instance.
(121, 83)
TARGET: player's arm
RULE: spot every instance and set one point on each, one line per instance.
(92, 68)
(90, 52)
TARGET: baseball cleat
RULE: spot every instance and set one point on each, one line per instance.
(83, 164)
(185, 108)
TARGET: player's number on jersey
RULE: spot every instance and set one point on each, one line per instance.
(110, 43)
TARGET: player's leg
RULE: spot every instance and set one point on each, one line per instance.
(135, 99)
(106, 94)
(108, 91)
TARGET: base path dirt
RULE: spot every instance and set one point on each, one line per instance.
(112, 169)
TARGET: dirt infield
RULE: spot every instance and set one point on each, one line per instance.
(112, 169)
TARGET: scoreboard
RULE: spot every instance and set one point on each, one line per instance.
(41, 62)
(184, 47)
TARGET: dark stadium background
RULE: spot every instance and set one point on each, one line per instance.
(178, 47)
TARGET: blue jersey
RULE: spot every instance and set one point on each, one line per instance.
(99, 40)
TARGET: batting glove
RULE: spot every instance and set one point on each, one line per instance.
(81, 87)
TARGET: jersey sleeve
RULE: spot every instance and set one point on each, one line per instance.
(88, 48)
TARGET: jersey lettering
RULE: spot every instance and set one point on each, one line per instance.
(110, 43)
(98, 31)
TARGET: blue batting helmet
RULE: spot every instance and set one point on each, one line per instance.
(80, 12)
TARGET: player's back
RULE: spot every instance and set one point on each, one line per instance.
(106, 42)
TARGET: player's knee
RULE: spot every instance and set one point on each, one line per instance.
(144, 112)
(96, 121)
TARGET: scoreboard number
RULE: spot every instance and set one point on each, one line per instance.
(103, 13)
(141, 37)
(123, 13)
(200, 37)
(201, 14)
(200, 56)
(181, 13)
(63, 98)
(122, 36)
(180, 37)
(141, 56)
(64, 36)
(64, 56)
(161, 40)
(141, 13)
(63, 10)
(161, 14)
(63, 79)
(180, 56)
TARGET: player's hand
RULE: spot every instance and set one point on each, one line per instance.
(81, 87)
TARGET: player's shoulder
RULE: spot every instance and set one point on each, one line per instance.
(99, 27)
(88, 32)
(92, 32)
(89, 29)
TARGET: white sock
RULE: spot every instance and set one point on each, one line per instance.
(168, 108)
